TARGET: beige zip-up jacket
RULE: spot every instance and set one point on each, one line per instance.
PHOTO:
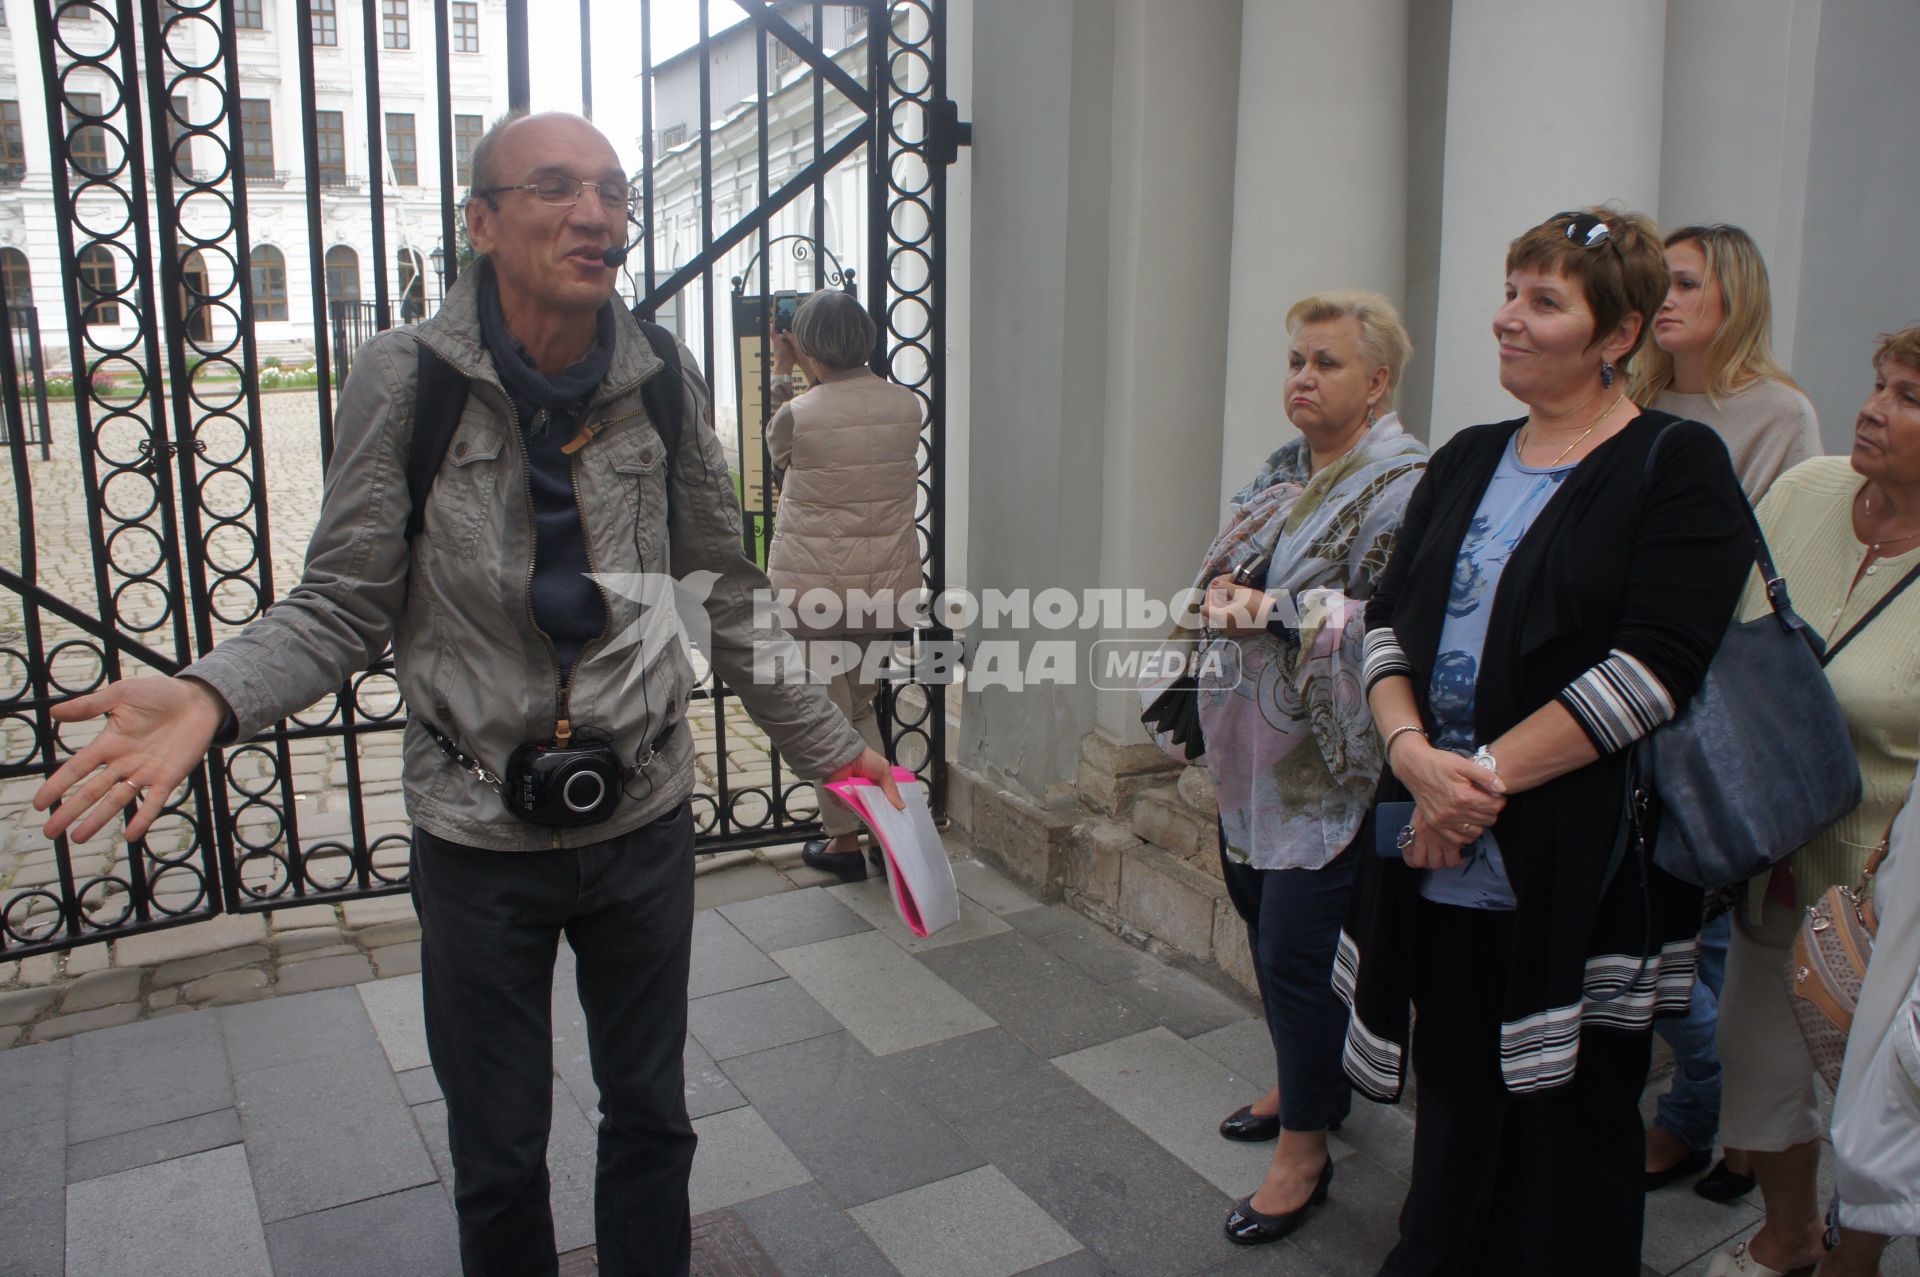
(454, 602)
(847, 449)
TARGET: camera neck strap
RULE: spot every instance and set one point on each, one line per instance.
(492, 780)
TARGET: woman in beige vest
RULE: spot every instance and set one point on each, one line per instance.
(844, 540)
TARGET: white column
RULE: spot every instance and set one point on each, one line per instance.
(1174, 103)
(1319, 196)
(1551, 104)
(1739, 110)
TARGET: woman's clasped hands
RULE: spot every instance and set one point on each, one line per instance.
(1455, 801)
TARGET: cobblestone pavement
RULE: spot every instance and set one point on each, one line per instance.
(1021, 1093)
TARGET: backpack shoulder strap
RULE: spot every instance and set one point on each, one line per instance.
(440, 396)
(661, 393)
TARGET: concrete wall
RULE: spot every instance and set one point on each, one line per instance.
(1551, 105)
(1319, 194)
(1861, 273)
(1739, 104)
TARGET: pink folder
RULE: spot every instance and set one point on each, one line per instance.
(917, 868)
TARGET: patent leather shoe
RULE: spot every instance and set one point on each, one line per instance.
(847, 866)
(1692, 1164)
(1245, 1125)
(1249, 1227)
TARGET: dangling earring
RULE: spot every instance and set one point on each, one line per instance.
(1606, 376)
(1373, 418)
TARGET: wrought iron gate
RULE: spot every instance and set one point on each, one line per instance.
(179, 492)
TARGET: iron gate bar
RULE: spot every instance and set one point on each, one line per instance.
(701, 267)
(767, 18)
(316, 247)
(443, 81)
(519, 68)
(44, 600)
(377, 160)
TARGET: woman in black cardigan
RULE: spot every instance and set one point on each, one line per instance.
(1552, 599)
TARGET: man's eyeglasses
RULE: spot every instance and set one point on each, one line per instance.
(1587, 231)
(563, 191)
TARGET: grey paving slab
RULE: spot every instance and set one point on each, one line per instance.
(1245, 1046)
(887, 1000)
(430, 1120)
(393, 1006)
(203, 1203)
(739, 1159)
(34, 1081)
(146, 1074)
(280, 1031)
(152, 1144)
(1041, 999)
(328, 1130)
(1382, 1133)
(572, 1153)
(418, 1086)
(792, 918)
(1139, 1208)
(708, 1089)
(723, 958)
(975, 1224)
(741, 882)
(572, 1059)
(1082, 1263)
(1177, 1094)
(873, 900)
(33, 1197)
(837, 1110)
(406, 1234)
(807, 1235)
(1098, 952)
(1680, 1225)
(985, 885)
(742, 1021)
(1040, 920)
(1188, 1006)
(1351, 1234)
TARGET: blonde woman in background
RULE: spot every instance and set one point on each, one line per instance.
(1712, 360)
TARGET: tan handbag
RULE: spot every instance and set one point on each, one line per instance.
(1830, 956)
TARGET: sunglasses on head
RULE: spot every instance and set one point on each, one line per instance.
(1587, 230)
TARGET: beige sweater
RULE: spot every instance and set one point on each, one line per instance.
(1808, 517)
(1769, 427)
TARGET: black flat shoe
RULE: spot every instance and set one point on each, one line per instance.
(1245, 1125)
(847, 866)
(877, 858)
(1249, 1227)
(1692, 1164)
(1723, 1185)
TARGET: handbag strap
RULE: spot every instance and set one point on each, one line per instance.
(1872, 612)
(1777, 596)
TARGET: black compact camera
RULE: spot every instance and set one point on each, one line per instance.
(559, 785)
(784, 306)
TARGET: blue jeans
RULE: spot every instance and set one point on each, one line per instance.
(1691, 1107)
(1293, 921)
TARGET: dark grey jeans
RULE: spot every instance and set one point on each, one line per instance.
(490, 928)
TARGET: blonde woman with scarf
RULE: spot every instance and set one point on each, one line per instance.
(1290, 743)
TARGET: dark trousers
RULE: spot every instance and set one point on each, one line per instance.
(1293, 927)
(1502, 1183)
(490, 925)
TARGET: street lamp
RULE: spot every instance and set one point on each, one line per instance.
(439, 259)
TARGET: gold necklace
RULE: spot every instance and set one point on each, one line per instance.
(1873, 548)
(1604, 414)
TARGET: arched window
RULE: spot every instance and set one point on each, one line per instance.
(195, 289)
(269, 282)
(99, 286)
(413, 287)
(343, 274)
(15, 278)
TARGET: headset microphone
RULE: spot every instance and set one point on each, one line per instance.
(614, 256)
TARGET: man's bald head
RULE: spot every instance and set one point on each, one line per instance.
(496, 153)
